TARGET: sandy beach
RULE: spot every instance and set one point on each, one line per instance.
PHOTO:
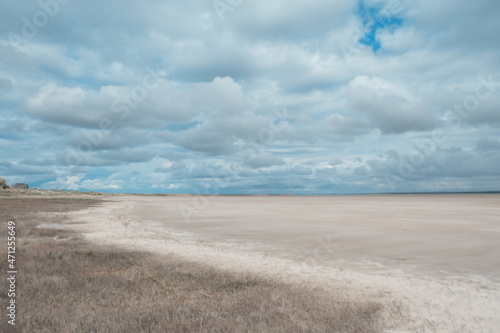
(436, 256)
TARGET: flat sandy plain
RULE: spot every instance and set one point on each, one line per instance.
(431, 261)
(437, 255)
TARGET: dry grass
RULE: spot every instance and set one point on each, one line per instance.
(67, 285)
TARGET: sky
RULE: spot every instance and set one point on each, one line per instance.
(240, 96)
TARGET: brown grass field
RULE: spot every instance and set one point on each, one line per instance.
(67, 284)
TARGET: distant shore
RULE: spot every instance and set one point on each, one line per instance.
(53, 192)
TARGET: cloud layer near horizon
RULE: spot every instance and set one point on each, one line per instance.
(307, 97)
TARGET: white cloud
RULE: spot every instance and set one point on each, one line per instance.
(144, 105)
(391, 107)
(69, 182)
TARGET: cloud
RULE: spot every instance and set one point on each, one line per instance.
(288, 20)
(221, 133)
(346, 126)
(65, 182)
(453, 30)
(8, 168)
(487, 144)
(98, 185)
(134, 155)
(139, 106)
(5, 84)
(485, 113)
(77, 182)
(391, 107)
(71, 106)
(282, 96)
(170, 166)
(302, 170)
(263, 160)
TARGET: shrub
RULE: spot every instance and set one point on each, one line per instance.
(3, 183)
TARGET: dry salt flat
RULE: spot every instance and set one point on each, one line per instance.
(433, 260)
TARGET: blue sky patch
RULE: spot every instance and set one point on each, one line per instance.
(375, 18)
